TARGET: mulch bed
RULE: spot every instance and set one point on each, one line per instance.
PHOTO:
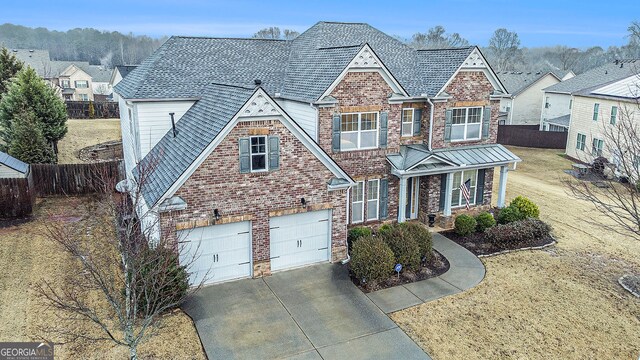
(436, 267)
(478, 246)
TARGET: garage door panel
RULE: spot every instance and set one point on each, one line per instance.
(223, 252)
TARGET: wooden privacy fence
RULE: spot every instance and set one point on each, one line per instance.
(17, 197)
(76, 179)
(101, 109)
(531, 136)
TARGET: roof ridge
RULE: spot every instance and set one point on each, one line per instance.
(225, 38)
(449, 48)
(232, 85)
(339, 47)
(342, 22)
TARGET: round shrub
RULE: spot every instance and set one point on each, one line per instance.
(405, 249)
(509, 215)
(356, 233)
(465, 225)
(484, 221)
(527, 207)
(422, 236)
(371, 259)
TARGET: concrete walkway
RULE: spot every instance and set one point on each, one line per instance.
(466, 271)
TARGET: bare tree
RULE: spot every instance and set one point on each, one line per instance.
(272, 32)
(436, 38)
(135, 280)
(618, 201)
(290, 34)
(504, 45)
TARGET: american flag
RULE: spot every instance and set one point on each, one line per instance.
(465, 190)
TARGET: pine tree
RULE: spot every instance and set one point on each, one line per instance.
(28, 143)
(31, 93)
(9, 67)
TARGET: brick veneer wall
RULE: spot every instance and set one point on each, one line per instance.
(218, 184)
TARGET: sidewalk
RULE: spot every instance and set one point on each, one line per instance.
(465, 272)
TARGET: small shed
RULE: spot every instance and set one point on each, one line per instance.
(11, 167)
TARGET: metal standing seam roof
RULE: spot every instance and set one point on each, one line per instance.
(300, 69)
(13, 163)
(410, 157)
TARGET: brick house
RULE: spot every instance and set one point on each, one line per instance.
(264, 152)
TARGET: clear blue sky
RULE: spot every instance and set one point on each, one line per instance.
(538, 22)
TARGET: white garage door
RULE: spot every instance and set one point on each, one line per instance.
(223, 252)
(299, 239)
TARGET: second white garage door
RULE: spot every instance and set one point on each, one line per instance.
(223, 252)
(300, 239)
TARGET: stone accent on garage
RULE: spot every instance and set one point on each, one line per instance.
(218, 184)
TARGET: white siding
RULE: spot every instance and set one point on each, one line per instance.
(7, 172)
(528, 104)
(582, 123)
(304, 114)
(558, 105)
(154, 120)
(128, 137)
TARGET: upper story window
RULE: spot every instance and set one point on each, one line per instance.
(65, 84)
(614, 115)
(466, 123)
(581, 141)
(258, 153)
(570, 103)
(596, 109)
(359, 131)
(407, 122)
(84, 97)
(596, 147)
(82, 84)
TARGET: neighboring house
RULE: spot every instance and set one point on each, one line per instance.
(596, 111)
(524, 106)
(558, 100)
(119, 73)
(100, 84)
(11, 167)
(280, 146)
(75, 84)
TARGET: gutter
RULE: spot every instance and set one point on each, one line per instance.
(430, 124)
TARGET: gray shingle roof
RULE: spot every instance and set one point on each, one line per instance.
(125, 69)
(15, 164)
(515, 82)
(563, 120)
(301, 69)
(98, 73)
(450, 158)
(197, 128)
(603, 74)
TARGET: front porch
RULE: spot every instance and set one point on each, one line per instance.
(430, 181)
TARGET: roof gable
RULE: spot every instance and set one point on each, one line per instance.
(475, 61)
(601, 75)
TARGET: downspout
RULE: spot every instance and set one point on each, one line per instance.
(347, 222)
(430, 123)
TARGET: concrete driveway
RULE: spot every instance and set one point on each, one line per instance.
(309, 313)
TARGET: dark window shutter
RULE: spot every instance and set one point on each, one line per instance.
(486, 121)
(417, 121)
(384, 198)
(443, 190)
(335, 138)
(384, 121)
(448, 119)
(245, 157)
(274, 152)
(480, 187)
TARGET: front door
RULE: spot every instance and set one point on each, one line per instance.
(411, 210)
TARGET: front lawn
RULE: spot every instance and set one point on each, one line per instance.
(26, 258)
(563, 302)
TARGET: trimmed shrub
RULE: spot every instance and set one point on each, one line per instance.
(371, 259)
(422, 236)
(465, 225)
(405, 249)
(356, 233)
(527, 207)
(517, 232)
(509, 215)
(484, 221)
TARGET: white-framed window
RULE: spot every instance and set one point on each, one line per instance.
(596, 147)
(466, 123)
(614, 115)
(84, 97)
(65, 84)
(596, 109)
(407, 122)
(258, 152)
(460, 178)
(82, 84)
(357, 203)
(581, 141)
(359, 131)
(373, 199)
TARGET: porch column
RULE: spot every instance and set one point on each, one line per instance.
(402, 201)
(447, 196)
(502, 190)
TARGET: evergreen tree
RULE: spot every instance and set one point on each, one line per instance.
(31, 93)
(9, 67)
(28, 143)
